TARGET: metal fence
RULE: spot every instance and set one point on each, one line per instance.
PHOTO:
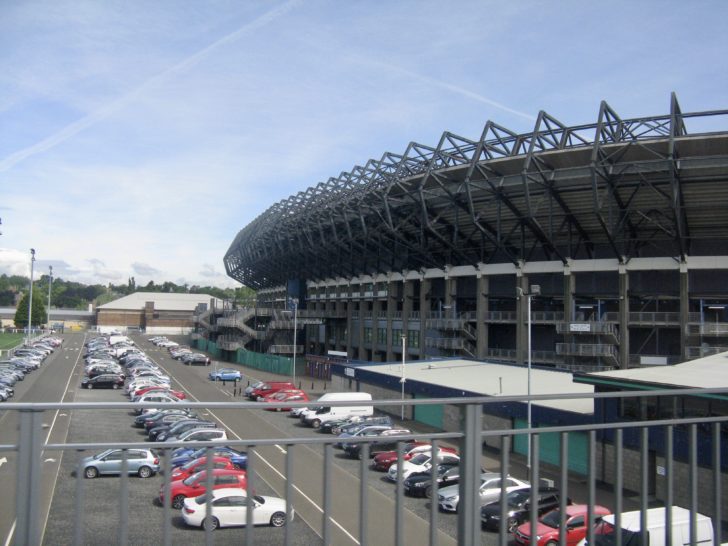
(470, 437)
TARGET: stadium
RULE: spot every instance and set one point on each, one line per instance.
(598, 246)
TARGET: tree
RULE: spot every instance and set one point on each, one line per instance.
(39, 311)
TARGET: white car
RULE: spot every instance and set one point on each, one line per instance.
(422, 462)
(490, 488)
(230, 509)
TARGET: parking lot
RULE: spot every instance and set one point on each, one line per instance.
(97, 501)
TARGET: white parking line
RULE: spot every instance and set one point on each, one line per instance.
(309, 499)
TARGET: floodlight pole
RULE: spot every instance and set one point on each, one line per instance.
(50, 284)
(295, 332)
(535, 290)
(403, 379)
(30, 295)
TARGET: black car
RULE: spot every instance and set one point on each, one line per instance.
(149, 420)
(182, 426)
(420, 484)
(519, 507)
(104, 381)
(165, 423)
(383, 442)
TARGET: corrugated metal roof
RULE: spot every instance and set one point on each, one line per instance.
(492, 379)
(707, 372)
(163, 301)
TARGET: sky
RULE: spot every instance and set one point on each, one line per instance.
(137, 138)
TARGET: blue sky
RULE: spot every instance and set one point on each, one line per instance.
(137, 138)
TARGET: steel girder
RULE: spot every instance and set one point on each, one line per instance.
(610, 189)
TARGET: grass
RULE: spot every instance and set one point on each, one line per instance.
(8, 341)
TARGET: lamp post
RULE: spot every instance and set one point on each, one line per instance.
(50, 284)
(30, 295)
(403, 379)
(535, 290)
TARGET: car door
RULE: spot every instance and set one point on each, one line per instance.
(237, 510)
(110, 463)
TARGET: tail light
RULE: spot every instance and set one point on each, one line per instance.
(189, 510)
(156, 460)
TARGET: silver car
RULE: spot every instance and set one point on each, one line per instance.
(142, 462)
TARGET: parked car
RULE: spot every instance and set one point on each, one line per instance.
(149, 419)
(225, 374)
(195, 465)
(104, 381)
(142, 462)
(199, 435)
(230, 508)
(519, 507)
(384, 459)
(296, 395)
(195, 485)
(183, 455)
(269, 387)
(356, 422)
(182, 426)
(489, 490)
(420, 484)
(196, 358)
(547, 528)
(421, 462)
(372, 431)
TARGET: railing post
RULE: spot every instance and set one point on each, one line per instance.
(27, 491)
(471, 453)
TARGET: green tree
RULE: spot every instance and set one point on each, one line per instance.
(39, 311)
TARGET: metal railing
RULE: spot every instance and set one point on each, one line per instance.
(628, 441)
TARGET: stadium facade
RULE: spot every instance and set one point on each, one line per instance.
(622, 224)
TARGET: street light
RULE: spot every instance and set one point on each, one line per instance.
(50, 284)
(30, 295)
(535, 290)
(403, 379)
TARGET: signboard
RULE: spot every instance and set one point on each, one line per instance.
(579, 327)
(349, 372)
(337, 353)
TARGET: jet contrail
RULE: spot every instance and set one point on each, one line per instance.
(87, 121)
(458, 90)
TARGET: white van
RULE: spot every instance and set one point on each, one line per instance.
(630, 524)
(315, 416)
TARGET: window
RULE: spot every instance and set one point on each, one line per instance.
(368, 335)
(413, 338)
(382, 336)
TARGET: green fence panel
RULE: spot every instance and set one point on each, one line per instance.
(550, 445)
(429, 414)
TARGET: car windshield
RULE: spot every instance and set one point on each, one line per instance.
(552, 519)
(190, 464)
(517, 498)
(422, 458)
(194, 477)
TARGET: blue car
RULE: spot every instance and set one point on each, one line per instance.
(225, 374)
(184, 455)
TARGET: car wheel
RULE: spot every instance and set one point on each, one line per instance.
(91, 472)
(178, 501)
(144, 472)
(316, 423)
(360, 455)
(278, 519)
(428, 492)
(89, 386)
(512, 525)
(211, 523)
(238, 467)
(552, 543)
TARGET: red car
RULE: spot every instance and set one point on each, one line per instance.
(382, 461)
(176, 394)
(195, 465)
(547, 528)
(194, 485)
(293, 395)
(270, 387)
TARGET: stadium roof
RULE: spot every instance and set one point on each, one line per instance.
(614, 189)
(163, 301)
